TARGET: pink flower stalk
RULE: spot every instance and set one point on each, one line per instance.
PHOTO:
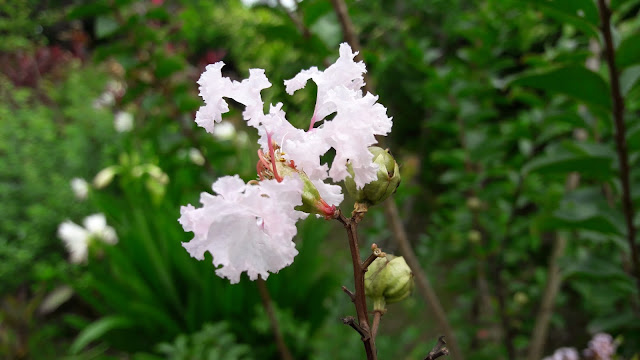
(250, 227)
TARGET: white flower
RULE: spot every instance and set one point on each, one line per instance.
(359, 118)
(80, 188)
(123, 121)
(250, 227)
(77, 238)
(245, 227)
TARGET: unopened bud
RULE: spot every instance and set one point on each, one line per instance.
(388, 280)
(312, 202)
(378, 190)
(105, 176)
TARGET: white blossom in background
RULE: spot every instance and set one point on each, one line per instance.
(123, 121)
(564, 353)
(250, 227)
(224, 131)
(80, 188)
(78, 238)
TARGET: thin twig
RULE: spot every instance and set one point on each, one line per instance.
(285, 354)
(368, 261)
(438, 350)
(351, 321)
(295, 19)
(620, 136)
(554, 280)
(348, 32)
(350, 293)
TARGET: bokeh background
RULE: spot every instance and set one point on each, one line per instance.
(511, 193)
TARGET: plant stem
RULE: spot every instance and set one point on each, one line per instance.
(620, 136)
(360, 299)
(285, 354)
(554, 280)
(377, 315)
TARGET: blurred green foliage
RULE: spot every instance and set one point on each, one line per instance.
(494, 108)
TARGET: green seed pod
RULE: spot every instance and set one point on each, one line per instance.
(388, 280)
(388, 179)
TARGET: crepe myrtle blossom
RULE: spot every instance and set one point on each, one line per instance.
(77, 239)
(249, 227)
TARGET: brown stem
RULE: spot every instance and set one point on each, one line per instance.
(554, 280)
(422, 282)
(368, 261)
(360, 300)
(621, 141)
(295, 19)
(285, 354)
(377, 315)
(348, 32)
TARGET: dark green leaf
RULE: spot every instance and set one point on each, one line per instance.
(575, 81)
(628, 52)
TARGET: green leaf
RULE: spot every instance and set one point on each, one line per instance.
(97, 329)
(574, 81)
(628, 52)
(165, 66)
(596, 166)
(105, 26)
(616, 321)
(585, 216)
(581, 14)
(89, 10)
(629, 78)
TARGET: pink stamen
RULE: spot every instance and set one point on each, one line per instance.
(272, 154)
(313, 118)
(263, 160)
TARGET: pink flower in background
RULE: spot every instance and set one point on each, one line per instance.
(601, 347)
(250, 227)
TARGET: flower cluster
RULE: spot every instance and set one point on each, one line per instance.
(250, 226)
(77, 239)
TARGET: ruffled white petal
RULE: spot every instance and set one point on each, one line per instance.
(246, 228)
